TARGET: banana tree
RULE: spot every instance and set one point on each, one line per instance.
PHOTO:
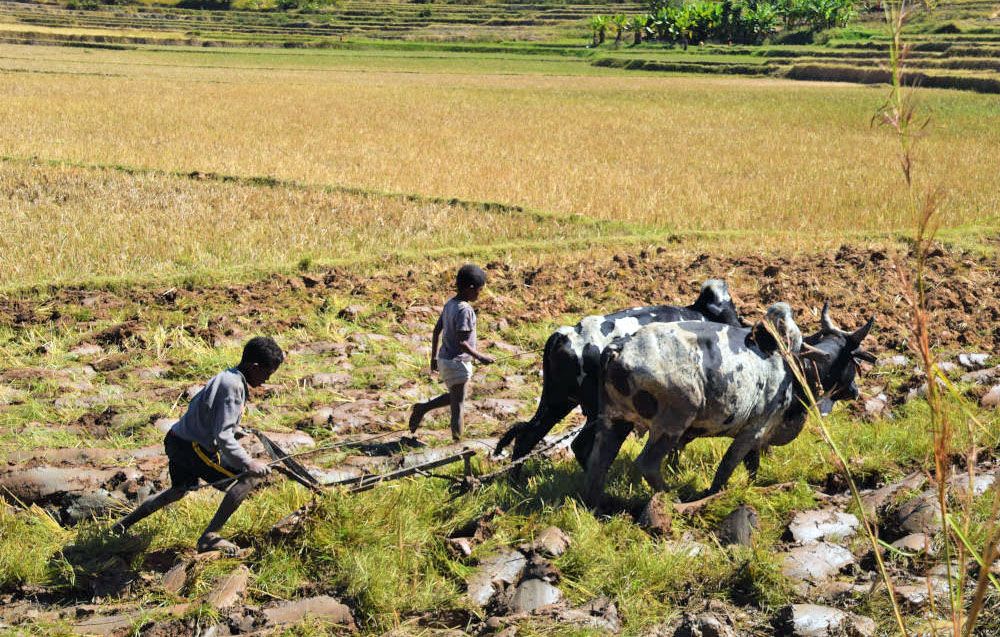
(620, 22)
(599, 27)
(639, 27)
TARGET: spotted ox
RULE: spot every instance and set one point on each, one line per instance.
(681, 381)
(572, 358)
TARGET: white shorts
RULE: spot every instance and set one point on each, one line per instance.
(454, 372)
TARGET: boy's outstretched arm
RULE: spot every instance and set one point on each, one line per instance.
(466, 347)
(438, 328)
(227, 412)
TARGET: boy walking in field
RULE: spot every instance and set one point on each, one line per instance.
(456, 331)
(202, 444)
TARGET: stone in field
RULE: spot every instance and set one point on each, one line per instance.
(532, 594)
(813, 526)
(330, 379)
(811, 620)
(816, 562)
(228, 590)
(323, 608)
(657, 517)
(973, 362)
(920, 514)
(739, 526)
(982, 376)
(504, 568)
(876, 500)
(991, 399)
(551, 541)
(919, 543)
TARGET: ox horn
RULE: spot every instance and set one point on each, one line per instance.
(827, 323)
(808, 351)
(860, 334)
(862, 355)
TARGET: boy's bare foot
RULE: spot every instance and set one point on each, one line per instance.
(215, 542)
(415, 417)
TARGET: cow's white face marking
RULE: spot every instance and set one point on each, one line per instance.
(719, 289)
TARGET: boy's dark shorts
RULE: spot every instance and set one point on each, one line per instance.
(190, 461)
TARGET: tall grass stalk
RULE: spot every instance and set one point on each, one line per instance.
(901, 115)
(816, 418)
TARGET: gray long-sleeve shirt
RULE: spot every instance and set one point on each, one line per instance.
(214, 415)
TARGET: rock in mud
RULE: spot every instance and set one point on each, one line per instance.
(88, 506)
(322, 417)
(947, 367)
(330, 379)
(962, 485)
(11, 396)
(739, 526)
(918, 595)
(551, 541)
(991, 399)
(174, 579)
(657, 517)
(152, 373)
(354, 415)
(499, 407)
(973, 361)
(532, 594)
(877, 500)
(320, 347)
(228, 590)
(323, 608)
(813, 526)
(982, 376)
(814, 563)
(351, 312)
(920, 514)
(876, 406)
(811, 620)
(289, 442)
(87, 349)
(41, 483)
(600, 613)
(504, 568)
(919, 543)
(894, 362)
(714, 619)
(460, 546)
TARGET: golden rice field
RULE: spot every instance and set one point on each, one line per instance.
(673, 153)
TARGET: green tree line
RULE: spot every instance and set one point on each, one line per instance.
(736, 21)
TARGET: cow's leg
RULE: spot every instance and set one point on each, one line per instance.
(535, 430)
(583, 444)
(742, 445)
(650, 460)
(608, 439)
(752, 463)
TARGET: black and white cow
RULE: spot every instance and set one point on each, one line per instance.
(681, 381)
(572, 359)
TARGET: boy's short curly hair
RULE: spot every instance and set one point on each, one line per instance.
(470, 276)
(264, 351)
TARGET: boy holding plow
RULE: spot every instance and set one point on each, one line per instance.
(203, 444)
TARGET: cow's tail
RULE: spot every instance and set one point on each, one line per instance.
(518, 429)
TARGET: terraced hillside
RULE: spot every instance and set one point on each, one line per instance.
(356, 18)
(956, 45)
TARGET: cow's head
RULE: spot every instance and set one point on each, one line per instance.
(776, 324)
(832, 357)
(715, 303)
